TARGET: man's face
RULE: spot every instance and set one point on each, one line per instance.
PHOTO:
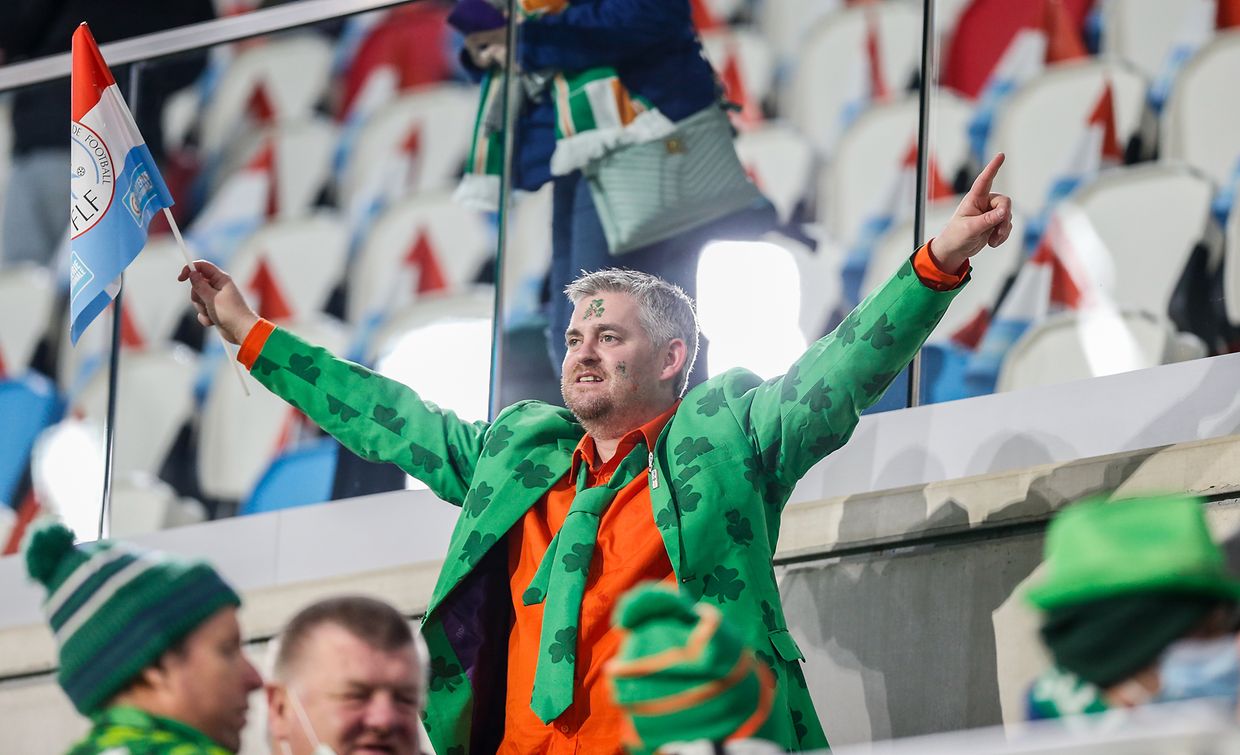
(356, 698)
(612, 371)
(206, 684)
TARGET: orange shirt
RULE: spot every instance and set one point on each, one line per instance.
(630, 551)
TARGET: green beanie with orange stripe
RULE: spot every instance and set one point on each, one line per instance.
(681, 674)
(115, 609)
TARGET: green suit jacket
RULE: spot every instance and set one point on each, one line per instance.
(720, 474)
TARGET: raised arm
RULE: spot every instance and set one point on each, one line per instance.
(373, 416)
(799, 418)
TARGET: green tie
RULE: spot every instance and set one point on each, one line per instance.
(560, 583)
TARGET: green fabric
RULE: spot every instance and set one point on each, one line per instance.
(1107, 641)
(659, 620)
(1098, 549)
(560, 583)
(722, 470)
(128, 731)
(115, 609)
(1059, 693)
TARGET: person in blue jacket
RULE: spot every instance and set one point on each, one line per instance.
(653, 47)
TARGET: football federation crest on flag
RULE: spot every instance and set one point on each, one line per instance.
(115, 188)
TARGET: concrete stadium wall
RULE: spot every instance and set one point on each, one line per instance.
(906, 602)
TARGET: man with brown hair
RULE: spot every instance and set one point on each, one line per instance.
(348, 675)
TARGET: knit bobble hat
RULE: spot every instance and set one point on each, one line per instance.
(682, 675)
(115, 609)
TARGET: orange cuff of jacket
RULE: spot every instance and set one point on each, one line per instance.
(933, 276)
(254, 342)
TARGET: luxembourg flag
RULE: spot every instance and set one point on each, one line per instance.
(115, 187)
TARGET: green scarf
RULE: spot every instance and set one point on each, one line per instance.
(594, 115)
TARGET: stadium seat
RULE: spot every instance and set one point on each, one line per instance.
(986, 28)
(295, 478)
(28, 404)
(424, 243)
(155, 399)
(298, 155)
(746, 64)
(1150, 33)
(280, 80)
(1231, 265)
(154, 301)
(834, 80)
(990, 271)
(1040, 127)
(142, 504)
(1126, 237)
(781, 162)
(289, 268)
(528, 255)
(239, 435)
(856, 185)
(414, 144)
(1199, 120)
(1078, 345)
(786, 24)
(27, 298)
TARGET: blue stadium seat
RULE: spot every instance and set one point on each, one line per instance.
(28, 404)
(299, 477)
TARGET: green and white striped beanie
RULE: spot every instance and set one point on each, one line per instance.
(115, 609)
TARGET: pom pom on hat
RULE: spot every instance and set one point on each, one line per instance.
(46, 549)
(646, 604)
(683, 674)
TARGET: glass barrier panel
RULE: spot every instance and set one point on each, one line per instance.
(318, 167)
(1122, 181)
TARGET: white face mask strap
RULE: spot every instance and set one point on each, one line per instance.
(300, 712)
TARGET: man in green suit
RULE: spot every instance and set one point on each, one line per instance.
(565, 510)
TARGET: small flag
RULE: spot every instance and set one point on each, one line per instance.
(115, 188)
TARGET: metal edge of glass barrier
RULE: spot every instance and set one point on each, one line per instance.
(194, 37)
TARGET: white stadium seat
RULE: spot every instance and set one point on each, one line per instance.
(1199, 123)
(302, 260)
(1040, 125)
(832, 68)
(781, 162)
(27, 297)
(420, 244)
(1076, 346)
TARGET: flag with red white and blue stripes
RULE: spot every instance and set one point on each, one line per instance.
(115, 188)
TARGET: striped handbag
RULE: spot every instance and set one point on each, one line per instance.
(651, 191)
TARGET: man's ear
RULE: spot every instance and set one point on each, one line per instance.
(674, 355)
(277, 711)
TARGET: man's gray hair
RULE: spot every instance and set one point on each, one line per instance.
(665, 310)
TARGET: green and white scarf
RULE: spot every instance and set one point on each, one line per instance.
(595, 115)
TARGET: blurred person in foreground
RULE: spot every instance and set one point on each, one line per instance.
(686, 682)
(348, 678)
(1138, 608)
(564, 510)
(150, 648)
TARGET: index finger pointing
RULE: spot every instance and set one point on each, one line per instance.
(981, 185)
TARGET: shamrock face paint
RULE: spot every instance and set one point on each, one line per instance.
(611, 369)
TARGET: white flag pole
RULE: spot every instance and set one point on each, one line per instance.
(176, 232)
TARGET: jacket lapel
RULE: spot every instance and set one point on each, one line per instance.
(518, 484)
